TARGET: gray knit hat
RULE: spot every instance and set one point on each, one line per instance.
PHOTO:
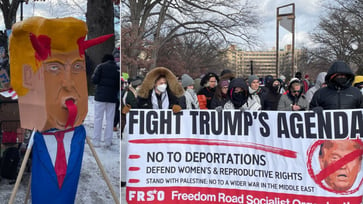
(186, 80)
(251, 78)
(136, 81)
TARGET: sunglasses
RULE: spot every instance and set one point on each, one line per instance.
(295, 91)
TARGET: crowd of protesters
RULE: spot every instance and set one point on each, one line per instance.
(338, 88)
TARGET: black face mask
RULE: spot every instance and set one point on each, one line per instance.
(238, 99)
(342, 82)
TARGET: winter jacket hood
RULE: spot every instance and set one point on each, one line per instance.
(237, 82)
(341, 68)
(269, 79)
(320, 79)
(152, 75)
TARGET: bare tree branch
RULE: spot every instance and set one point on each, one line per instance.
(228, 20)
(340, 33)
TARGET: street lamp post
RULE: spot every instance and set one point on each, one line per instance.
(251, 67)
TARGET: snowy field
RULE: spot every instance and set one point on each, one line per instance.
(92, 188)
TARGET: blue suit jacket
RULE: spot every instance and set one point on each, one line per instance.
(44, 185)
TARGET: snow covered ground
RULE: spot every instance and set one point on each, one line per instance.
(92, 188)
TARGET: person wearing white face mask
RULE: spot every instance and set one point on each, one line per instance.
(161, 90)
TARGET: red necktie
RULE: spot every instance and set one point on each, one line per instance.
(60, 161)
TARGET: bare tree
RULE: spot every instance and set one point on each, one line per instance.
(130, 46)
(312, 64)
(163, 20)
(191, 54)
(9, 8)
(200, 54)
(340, 34)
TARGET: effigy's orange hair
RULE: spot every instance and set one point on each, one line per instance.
(63, 34)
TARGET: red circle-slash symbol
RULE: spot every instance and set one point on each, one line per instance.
(318, 178)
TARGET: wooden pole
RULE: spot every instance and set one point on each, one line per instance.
(22, 168)
(103, 172)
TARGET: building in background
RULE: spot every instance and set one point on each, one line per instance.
(262, 62)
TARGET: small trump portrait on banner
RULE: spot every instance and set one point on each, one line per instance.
(340, 162)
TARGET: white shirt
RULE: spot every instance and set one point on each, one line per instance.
(51, 144)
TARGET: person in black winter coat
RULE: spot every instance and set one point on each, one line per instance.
(271, 95)
(106, 77)
(339, 93)
(238, 95)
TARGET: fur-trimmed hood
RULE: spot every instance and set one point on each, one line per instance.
(152, 75)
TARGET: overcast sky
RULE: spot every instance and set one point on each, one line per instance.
(307, 14)
(51, 9)
(55, 8)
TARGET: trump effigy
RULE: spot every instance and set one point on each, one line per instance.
(48, 72)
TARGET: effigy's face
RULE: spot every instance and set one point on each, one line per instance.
(65, 86)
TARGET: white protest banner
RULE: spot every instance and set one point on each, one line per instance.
(262, 157)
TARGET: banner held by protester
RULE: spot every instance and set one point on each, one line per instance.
(244, 157)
